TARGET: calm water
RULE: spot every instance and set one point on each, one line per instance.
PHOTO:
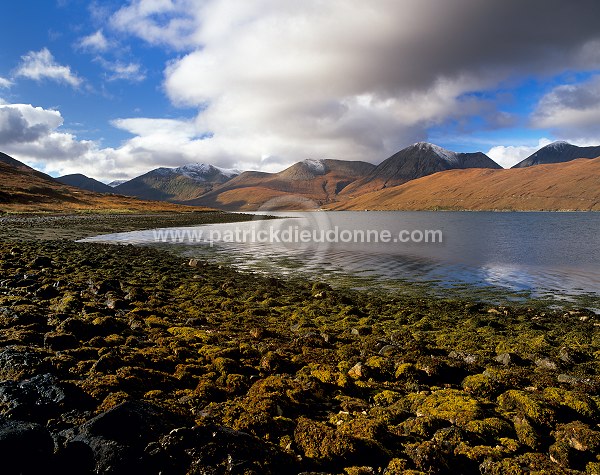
(537, 254)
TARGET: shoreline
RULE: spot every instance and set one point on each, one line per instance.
(125, 358)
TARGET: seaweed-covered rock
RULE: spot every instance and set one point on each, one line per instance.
(18, 362)
(324, 444)
(450, 404)
(571, 402)
(576, 445)
(527, 404)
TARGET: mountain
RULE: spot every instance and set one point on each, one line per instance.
(23, 189)
(176, 184)
(115, 183)
(8, 161)
(558, 152)
(85, 183)
(573, 185)
(307, 184)
(415, 161)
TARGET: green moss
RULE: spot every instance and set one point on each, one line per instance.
(490, 429)
(406, 371)
(386, 397)
(450, 404)
(69, 303)
(480, 385)
(526, 404)
(582, 404)
(380, 367)
(318, 441)
(527, 434)
(397, 466)
(322, 372)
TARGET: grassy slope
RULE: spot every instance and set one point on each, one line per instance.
(23, 189)
(565, 186)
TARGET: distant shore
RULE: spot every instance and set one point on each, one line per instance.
(132, 360)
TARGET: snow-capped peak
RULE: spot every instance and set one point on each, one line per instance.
(198, 171)
(317, 166)
(439, 151)
(115, 183)
(558, 145)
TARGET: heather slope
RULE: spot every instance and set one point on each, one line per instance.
(574, 185)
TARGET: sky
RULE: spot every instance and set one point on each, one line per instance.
(113, 89)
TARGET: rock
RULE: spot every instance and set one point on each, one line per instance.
(46, 292)
(431, 457)
(361, 331)
(569, 356)
(25, 448)
(546, 363)
(466, 357)
(76, 326)
(17, 362)
(105, 286)
(358, 371)
(508, 359)
(40, 262)
(320, 442)
(39, 398)
(117, 437)
(213, 449)
(60, 341)
(576, 445)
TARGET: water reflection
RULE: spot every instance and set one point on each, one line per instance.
(540, 253)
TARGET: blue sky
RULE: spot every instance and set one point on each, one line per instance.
(115, 88)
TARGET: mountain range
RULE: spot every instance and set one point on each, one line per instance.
(418, 160)
(558, 152)
(176, 184)
(572, 185)
(421, 176)
(304, 185)
(24, 189)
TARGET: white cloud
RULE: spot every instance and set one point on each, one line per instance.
(23, 123)
(509, 155)
(160, 22)
(124, 71)
(39, 65)
(95, 42)
(279, 81)
(5, 83)
(571, 110)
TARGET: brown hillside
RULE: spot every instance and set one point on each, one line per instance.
(23, 189)
(307, 184)
(573, 185)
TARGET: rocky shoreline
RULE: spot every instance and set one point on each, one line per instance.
(123, 359)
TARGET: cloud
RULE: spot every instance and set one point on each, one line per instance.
(160, 22)
(39, 65)
(132, 72)
(33, 135)
(94, 42)
(23, 123)
(5, 83)
(351, 80)
(507, 156)
(275, 82)
(571, 109)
